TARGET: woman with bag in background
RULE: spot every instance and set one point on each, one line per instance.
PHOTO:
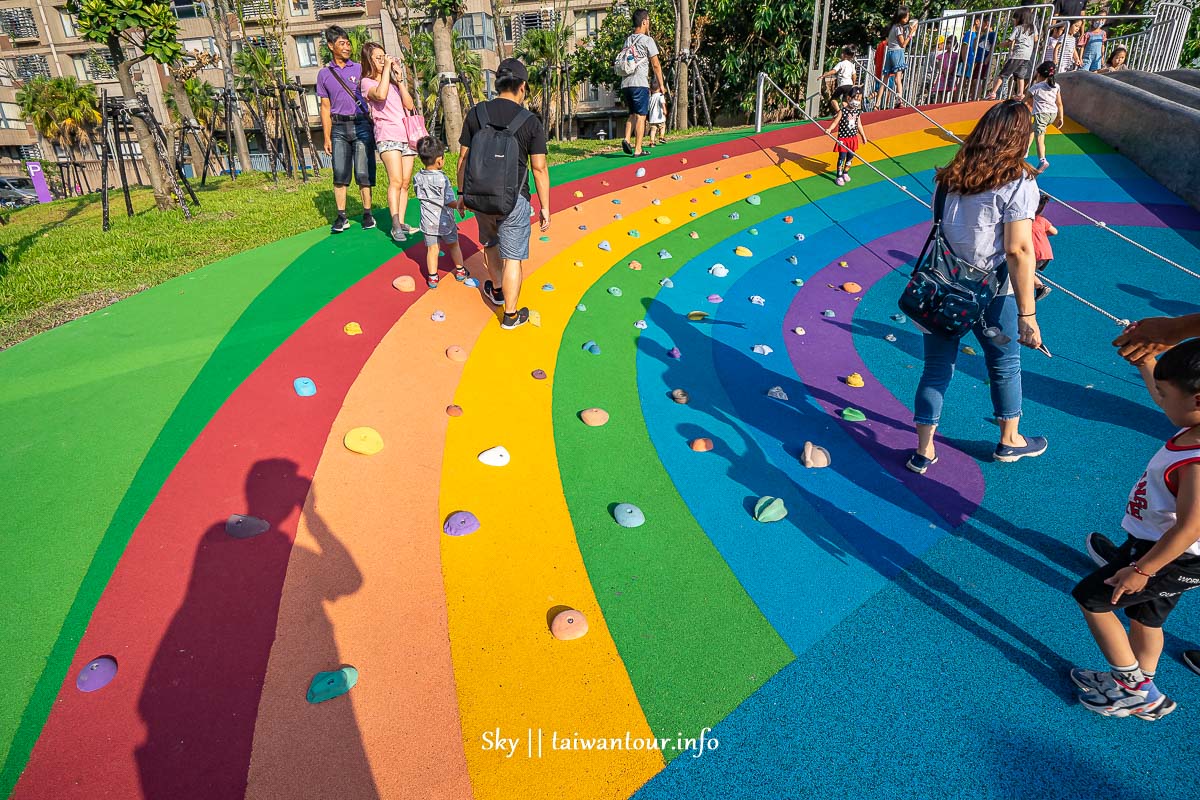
(397, 129)
(988, 198)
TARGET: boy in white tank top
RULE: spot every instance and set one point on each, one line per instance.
(1158, 562)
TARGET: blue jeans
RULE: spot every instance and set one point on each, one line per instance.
(353, 152)
(1003, 366)
(1093, 56)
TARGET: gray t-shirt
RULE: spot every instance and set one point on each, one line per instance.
(1022, 48)
(893, 40)
(973, 224)
(646, 48)
(433, 189)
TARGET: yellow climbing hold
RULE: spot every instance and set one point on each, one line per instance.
(968, 350)
(578, 194)
(663, 220)
(352, 329)
(363, 440)
(696, 316)
(742, 251)
(579, 263)
(855, 380)
(535, 318)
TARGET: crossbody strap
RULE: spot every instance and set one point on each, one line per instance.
(358, 101)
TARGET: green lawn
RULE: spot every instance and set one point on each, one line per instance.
(61, 265)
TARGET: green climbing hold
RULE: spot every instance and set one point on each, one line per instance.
(544, 239)
(753, 199)
(853, 415)
(328, 685)
(769, 509)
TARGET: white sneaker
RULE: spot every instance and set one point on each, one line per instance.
(841, 180)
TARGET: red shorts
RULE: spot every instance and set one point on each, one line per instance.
(847, 145)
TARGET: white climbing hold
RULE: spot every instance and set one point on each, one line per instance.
(763, 349)
(777, 393)
(667, 283)
(718, 270)
(495, 457)
(758, 300)
(799, 331)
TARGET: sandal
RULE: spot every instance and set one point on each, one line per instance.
(461, 273)
(432, 280)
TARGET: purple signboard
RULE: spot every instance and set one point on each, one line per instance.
(39, 181)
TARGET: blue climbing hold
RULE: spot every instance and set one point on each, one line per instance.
(754, 231)
(634, 233)
(735, 215)
(899, 318)
(628, 515)
(793, 260)
(615, 291)
(547, 287)
(328, 685)
(709, 180)
(604, 245)
(641, 172)
(753, 199)
(591, 347)
(616, 201)
(304, 387)
(829, 312)
(717, 192)
(664, 255)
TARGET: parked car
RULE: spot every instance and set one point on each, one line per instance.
(17, 192)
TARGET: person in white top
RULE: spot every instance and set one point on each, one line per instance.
(842, 74)
(657, 120)
(1158, 562)
(1044, 99)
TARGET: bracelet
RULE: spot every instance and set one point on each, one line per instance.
(1033, 314)
(1138, 570)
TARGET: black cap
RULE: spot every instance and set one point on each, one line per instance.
(513, 67)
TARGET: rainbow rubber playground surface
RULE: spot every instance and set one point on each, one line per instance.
(894, 636)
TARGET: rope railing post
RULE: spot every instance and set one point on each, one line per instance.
(758, 101)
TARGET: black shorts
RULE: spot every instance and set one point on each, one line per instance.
(1015, 68)
(1152, 605)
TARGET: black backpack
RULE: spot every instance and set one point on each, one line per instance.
(946, 295)
(494, 177)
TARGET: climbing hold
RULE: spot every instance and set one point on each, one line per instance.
(583, 227)
(851, 287)
(363, 440)
(593, 417)
(405, 283)
(753, 231)
(753, 199)
(495, 456)
(352, 329)
(667, 283)
(460, 523)
(799, 331)
(664, 220)
(96, 674)
(617, 216)
(579, 263)
(769, 509)
(693, 214)
(543, 238)
(438, 316)
(735, 216)
(716, 192)
(758, 300)
(568, 625)
(635, 234)
(680, 396)
(581, 307)
(635, 265)
(891, 337)
(715, 298)
(604, 183)
(641, 172)
(328, 685)
(674, 353)
(747, 176)
(829, 313)
(799, 237)
(604, 245)
(969, 351)
(777, 393)
(853, 415)
(899, 318)
(616, 201)
(815, 456)
(709, 180)
(693, 234)
(535, 318)
(456, 353)
(578, 193)
(628, 515)
(683, 161)
(471, 282)
(701, 445)
(591, 347)
(798, 281)
(762, 349)
(718, 270)
(640, 324)
(304, 387)
(615, 291)
(793, 260)
(454, 411)
(696, 316)
(547, 287)
(855, 380)
(743, 251)
(787, 220)
(693, 200)
(539, 374)
(676, 177)
(241, 526)
(664, 254)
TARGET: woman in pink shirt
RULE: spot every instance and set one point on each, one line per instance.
(390, 102)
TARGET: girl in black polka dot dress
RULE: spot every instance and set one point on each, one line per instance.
(846, 127)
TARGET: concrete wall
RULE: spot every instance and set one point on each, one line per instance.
(1158, 135)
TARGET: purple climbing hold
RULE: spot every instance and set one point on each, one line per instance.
(460, 523)
(96, 674)
(240, 526)
(674, 353)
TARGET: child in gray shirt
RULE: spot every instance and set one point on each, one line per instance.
(438, 202)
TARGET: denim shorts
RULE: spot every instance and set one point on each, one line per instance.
(434, 239)
(637, 100)
(893, 61)
(510, 233)
(353, 152)
(388, 145)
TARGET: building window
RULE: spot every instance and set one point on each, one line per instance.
(94, 65)
(31, 66)
(506, 27)
(204, 45)
(68, 23)
(189, 9)
(18, 23)
(298, 8)
(591, 23)
(593, 93)
(10, 116)
(306, 49)
(265, 42)
(544, 19)
(31, 152)
(311, 101)
(477, 31)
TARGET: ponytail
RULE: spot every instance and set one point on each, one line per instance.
(1047, 70)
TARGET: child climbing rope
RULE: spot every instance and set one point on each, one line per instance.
(846, 128)
(1043, 254)
(1160, 559)
(437, 199)
(1044, 99)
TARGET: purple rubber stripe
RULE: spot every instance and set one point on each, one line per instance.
(826, 354)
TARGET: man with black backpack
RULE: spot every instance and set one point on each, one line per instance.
(500, 141)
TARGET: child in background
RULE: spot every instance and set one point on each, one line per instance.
(845, 127)
(843, 73)
(1067, 57)
(1092, 44)
(1042, 252)
(657, 119)
(946, 69)
(1116, 59)
(1052, 39)
(894, 66)
(1024, 37)
(437, 198)
(1044, 99)
(1160, 559)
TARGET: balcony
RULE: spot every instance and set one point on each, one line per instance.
(340, 8)
(19, 25)
(259, 10)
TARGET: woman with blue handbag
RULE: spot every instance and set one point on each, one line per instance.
(977, 273)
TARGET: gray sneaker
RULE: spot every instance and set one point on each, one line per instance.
(1165, 707)
(398, 236)
(1111, 698)
(1101, 549)
(1090, 680)
(510, 321)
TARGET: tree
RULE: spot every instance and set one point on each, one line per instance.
(470, 68)
(61, 109)
(200, 96)
(543, 52)
(445, 13)
(221, 19)
(594, 60)
(683, 46)
(358, 36)
(149, 27)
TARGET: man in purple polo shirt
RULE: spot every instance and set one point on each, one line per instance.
(349, 134)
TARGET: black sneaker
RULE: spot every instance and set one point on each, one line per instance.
(368, 221)
(1041, 292)
(1101, 549)
(510, 321)
(1191, 659)
(627, 147)
(493, 294)
(340, 224)
(920, 464)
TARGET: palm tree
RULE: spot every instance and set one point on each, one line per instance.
(61, 109)
(358, 36)
(200, 95)
(543, 53)
(469, 69)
